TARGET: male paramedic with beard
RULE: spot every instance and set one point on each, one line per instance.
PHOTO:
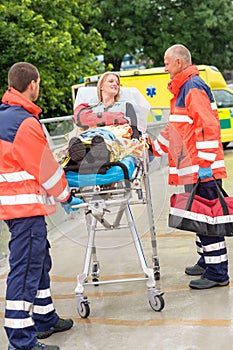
(192, 141)
(30, 183)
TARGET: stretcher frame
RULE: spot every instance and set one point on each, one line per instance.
(98, 200)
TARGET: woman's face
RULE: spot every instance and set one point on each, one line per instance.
(110, 85)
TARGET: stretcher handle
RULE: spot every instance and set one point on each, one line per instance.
(108, 164)
(121, 165)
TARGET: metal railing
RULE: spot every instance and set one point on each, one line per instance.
(158, 118)
(56, 128)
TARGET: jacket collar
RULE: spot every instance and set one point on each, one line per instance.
(175, 84)
(14, 97)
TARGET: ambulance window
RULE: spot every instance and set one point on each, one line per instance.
(223, 98)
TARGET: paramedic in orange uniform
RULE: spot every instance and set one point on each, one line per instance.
(192, 141)
(30, 183)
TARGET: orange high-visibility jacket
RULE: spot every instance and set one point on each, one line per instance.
(30, 178)
(192, 136)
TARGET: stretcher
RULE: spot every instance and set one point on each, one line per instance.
(107, 200)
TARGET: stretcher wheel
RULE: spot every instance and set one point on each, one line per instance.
(84, 309)
(158, 303)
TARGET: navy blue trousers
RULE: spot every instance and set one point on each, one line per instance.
(212, 250)
(29, 306)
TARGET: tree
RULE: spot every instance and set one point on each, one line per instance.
(63, 37)
(203, 26)
(120, 24)
(50, 35)
(151, 26)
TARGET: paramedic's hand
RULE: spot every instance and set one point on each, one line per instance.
(71, 201)
(204, 173)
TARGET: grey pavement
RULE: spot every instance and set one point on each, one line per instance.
(120, 315)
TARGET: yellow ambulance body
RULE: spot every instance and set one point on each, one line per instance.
(152, 83)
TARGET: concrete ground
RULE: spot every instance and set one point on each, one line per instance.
(120, 315)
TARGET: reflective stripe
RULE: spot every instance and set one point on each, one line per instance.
(207, 144)
(26, 199)
(42, 310)
(173, 170)
(207, 156)
(201, 217)
(19, 305)
(213, 106)
(218, 164)
(157, 148)
(215, 259)
(64, 194)
(199, 245)
(16, 176)
(188, 214)
(53, 180)
(18, 323)
(163, 141)
(44, 293)
(215, 246)
(177, 118)
(188, 170)
(194, 169)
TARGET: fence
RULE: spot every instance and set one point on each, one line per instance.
(56, 128)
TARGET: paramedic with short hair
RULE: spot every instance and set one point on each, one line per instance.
(192, 141)
(30, 183)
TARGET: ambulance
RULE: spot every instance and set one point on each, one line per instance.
(152, 83)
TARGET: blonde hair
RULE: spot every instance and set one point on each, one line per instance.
(100, 84)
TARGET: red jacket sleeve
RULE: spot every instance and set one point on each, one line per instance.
(206, 125)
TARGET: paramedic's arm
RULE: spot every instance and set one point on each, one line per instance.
(161, 145)
(207, 126)
(34, 155)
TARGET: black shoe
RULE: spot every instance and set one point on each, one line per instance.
(77, 150)
(194, 270)
(39, 346)
(97, 139)
(204, 283)
(61, 326)
(99, 149)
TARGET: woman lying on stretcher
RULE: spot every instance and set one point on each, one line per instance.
(106, 131)
(108, 111)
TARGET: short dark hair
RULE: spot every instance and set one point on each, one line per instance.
(21, 74)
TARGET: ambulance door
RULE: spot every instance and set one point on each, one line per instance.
(224, 100)
(154, 88)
